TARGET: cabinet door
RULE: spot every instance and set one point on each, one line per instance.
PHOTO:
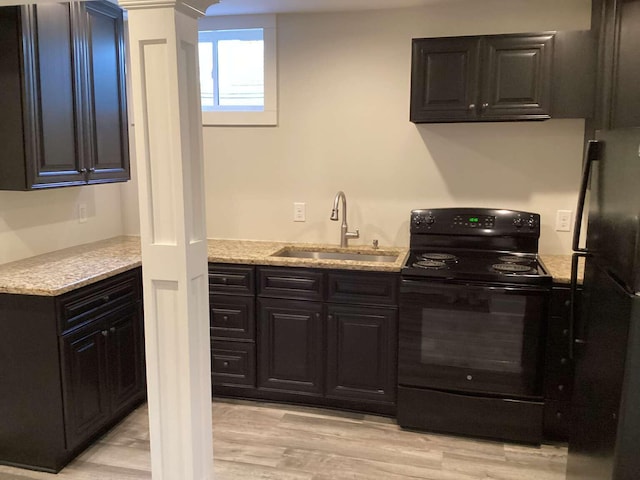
(125, 357)
(108, 144)
(85, 386)
(52, 126)
(444, 79)
(361, 353)
(516, 77)
(625, 101)
(290, 355)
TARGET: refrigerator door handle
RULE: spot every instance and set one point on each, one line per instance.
(573, 313)
(592, 154)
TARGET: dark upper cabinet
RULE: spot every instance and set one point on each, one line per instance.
(618, 98)
(103, 32)
(444, 84)
(491, 78)
(62, 92)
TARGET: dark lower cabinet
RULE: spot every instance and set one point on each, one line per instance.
(290, 346)
(102, 371)
(318, 337)
(361, 353)
(232, 316)
(86, 403)
(558, 367)
(72, 366)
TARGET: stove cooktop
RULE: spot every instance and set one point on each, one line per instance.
(476, 265)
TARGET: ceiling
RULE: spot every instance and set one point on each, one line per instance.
(243, 7)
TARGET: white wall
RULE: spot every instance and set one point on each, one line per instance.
(343, 125)
(42, 221)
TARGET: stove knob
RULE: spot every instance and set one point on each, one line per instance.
(518, 222)
(430, 220)
(531, 223)
(417, 220)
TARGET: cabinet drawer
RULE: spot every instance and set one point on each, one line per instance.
(238, 280)
(291, 283)
(232, 316)
(90, 302)
(233, 363)
(367, 288)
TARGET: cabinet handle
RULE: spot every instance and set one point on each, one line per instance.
(83, 170)
(104, 333)
(224, 280)
(329, 317)
(225, 318)
(92, 169)
(484, 106)
(317, 315)
(472, 107)
(106, 298)
(225, 364)
(112, 330)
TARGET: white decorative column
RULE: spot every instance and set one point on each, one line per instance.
(163, 46)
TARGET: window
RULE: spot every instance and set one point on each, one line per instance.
(238, 70)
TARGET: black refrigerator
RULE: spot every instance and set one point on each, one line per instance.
(604, 441)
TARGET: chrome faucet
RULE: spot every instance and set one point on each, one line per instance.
(345, 234)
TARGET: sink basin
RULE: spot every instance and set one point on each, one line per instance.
(326, 255)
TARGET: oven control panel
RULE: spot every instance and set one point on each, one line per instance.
(475, 221)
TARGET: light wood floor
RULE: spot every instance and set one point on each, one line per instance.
(280, 442)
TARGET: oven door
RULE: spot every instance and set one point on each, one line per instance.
(473, 338)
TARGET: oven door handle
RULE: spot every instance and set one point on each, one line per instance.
(413, 286)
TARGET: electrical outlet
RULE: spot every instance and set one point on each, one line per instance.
(563, 221)
(299, 212)
(82, 213)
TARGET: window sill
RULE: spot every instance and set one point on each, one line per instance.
(264, 118)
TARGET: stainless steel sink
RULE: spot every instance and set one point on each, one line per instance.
(324, 255)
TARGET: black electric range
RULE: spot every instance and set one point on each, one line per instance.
(473, 307)
(474, 244)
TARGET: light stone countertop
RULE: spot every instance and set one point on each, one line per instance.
(559, 266)
(59, 272)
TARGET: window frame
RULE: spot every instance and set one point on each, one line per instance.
(269, 115)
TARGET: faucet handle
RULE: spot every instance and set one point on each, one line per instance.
(355, 234)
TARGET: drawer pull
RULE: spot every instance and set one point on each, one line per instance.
(225, 318)
(563, 361)
(104, 333)
(112, 330)
(106, 298)
(225, 364)
(561, 387)
(224, 280)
